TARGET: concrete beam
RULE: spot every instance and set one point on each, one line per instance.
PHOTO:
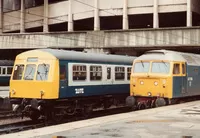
(168, 37)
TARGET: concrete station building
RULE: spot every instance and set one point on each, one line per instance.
(76, 18)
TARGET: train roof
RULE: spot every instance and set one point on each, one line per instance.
(81, 56)
(190, 58)
(6, 62)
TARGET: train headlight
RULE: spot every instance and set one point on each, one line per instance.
(13, 92)
(149, 93)
(141, 82)
(155, 83)
(164, 81)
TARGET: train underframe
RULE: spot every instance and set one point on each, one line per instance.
(139, 103)
(57, 109)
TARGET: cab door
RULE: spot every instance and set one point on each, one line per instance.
(184, 79)
(63, 79)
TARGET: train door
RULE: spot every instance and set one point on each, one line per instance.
(63, 78)
(109, 76)
(184, 78)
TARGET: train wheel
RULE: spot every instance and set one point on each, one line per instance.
(160, 102)
(87, 110)
(34, 115)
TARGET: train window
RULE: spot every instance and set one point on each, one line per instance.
(79, 72)
(95, 72)
(3, 70)
(29, 72)
(42, 72)
(119, 73)
(62, 72)
(18, 70)
(109, 73)
(176, 69)
(128, 73)
(141, 67)
(160, 67)
(183, 69)
(9, 70)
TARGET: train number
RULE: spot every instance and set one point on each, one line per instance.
(79, 91)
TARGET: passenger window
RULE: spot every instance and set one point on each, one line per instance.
(18, 70)
(109, 73)
(62, 72)
(176, 69)
(95, 72)
(79, 72)
(29, 72)
(119, 73)
(9, 70)
(3, 71)
(42, 72)
(128, 73)
(183, 69)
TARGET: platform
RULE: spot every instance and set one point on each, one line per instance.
(177, 121)
(4, 91)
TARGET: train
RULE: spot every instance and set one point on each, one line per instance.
(164, 77)
(6, 67)
(53, 83)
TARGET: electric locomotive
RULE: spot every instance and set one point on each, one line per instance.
(162, 77)
(53, 83)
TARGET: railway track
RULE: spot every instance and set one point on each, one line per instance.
(29, 124)
(7, 115)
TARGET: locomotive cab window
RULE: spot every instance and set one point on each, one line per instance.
(176, 69)
(18, 70)
(29, 72)
(183, 69)
(42, 72)
(62, 72)
(95, 72)
(79, 72)
(119, 73)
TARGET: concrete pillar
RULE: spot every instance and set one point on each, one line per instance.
(155, 14)
(189, 13)
(96, 15)
(70, 18)
(46, 15)
(22, 17)
(125, 15)
(1, 16)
